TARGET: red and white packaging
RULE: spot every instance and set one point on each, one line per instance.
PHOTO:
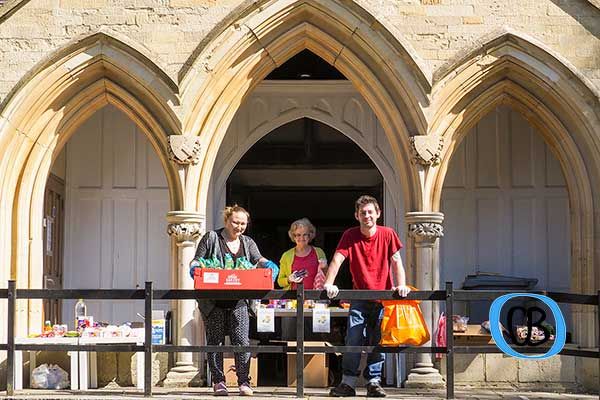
(233, 279)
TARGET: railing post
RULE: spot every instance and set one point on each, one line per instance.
(449, 341)
(300, 340)
(10, 340)
(148, 340)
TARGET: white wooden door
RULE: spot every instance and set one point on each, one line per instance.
(117, 199)
(506, 206)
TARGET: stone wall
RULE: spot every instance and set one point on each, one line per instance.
(553, 374)
(171, 30)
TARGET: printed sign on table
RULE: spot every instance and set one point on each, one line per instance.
(265, 320)
(321, 319)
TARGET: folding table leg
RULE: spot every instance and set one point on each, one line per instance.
(74, 359)
(83, 370)
(18, 370)
(94, 370)
(139, 367)
(32, 364)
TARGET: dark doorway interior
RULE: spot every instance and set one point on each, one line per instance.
(305, 65)
(303, 169)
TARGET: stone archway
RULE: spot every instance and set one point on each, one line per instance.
(239, 57)
(39, 118)
(510, 70)
(256, 40)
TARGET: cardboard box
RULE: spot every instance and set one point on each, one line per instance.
(316, 367)
(233, 279)
(475, 335)
(230, 373)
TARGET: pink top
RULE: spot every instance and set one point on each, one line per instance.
(310, 263)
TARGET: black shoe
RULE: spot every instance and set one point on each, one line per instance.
(375, 390)
(342, 390)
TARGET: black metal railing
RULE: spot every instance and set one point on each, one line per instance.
(148, 295)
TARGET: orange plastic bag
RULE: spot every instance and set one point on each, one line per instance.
(403, 323)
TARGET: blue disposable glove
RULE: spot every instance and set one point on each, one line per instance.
(273, 267)
(193, 265)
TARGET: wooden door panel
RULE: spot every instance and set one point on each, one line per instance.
(505, 201)
(53, 225)
(117, 227)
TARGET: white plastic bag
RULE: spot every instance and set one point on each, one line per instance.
(49, 377)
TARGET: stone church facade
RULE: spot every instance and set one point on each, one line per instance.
(481, 117)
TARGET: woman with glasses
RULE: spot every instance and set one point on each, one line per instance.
(301, 263)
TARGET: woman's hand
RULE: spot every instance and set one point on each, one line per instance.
(272, 266)
(193, 265)
(297, 276)
(322, 264)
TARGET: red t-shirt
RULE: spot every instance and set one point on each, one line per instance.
(310, 263)
(370, 257)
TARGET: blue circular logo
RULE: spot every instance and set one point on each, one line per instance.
(560, 334)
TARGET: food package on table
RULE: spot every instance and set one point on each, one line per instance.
(459, 323)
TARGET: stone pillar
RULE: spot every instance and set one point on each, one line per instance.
(424, 228)
(186, 228)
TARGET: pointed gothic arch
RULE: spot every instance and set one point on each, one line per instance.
(343, 34)
(39, 117)
(509, 68)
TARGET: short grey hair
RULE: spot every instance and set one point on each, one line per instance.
(305, 222)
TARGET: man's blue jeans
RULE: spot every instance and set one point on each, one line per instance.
(364, 329)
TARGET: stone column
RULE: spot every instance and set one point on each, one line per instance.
(186, 228)
(424, 228)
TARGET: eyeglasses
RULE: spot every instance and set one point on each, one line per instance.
(306, 235)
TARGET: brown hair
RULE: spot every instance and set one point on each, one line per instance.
(228, 212)
(364, 200)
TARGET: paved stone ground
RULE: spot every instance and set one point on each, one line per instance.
(272, 393)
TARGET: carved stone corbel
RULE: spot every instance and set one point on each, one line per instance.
(425, 227)
(184, 149)
(426, 230)
(184, 232)
(427, 149)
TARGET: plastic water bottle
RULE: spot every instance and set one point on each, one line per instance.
(80, 311)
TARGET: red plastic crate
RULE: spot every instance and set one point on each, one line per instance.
(233, 279)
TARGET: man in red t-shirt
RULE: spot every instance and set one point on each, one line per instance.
(374, 255)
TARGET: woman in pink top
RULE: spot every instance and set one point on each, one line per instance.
(301, 263)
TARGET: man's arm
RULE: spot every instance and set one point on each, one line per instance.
(334, 268)
(399, 275)
(332, 271)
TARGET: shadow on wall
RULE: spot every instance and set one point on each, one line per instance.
(584, 12)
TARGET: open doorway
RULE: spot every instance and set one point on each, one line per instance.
(305, 143)
(303, 169)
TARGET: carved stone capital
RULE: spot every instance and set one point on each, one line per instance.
(185, 226)
(427, 149)
(425, 226)
(184, 149)
(185, 232)
(426, 230)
